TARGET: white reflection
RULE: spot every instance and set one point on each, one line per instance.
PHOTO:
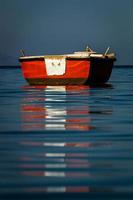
(55, 127)
(54, 144)
(55, 88)
(54, 174)
(55, 154)
(56, 165)
(52, 113)
(55, 118)
(56, 189)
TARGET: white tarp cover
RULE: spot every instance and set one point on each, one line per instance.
(55, 65)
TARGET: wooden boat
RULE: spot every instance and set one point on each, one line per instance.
(79, 68)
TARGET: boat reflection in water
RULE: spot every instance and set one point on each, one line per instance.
(59, 161)
(56, 108)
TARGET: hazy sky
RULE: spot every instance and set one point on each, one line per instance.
(63, 26)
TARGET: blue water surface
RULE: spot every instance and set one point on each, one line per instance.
(62, 142)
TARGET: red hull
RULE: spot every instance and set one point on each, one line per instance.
(74, 69)
(35, 72)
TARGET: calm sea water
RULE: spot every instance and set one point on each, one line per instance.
(66, 142)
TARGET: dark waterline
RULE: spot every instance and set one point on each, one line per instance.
(66, 142)
(18, 66)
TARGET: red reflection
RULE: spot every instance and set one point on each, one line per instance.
(32, 108)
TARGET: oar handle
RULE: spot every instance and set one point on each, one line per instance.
(107, 50)
(22, 52)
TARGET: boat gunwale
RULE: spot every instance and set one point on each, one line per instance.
(67, 57)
